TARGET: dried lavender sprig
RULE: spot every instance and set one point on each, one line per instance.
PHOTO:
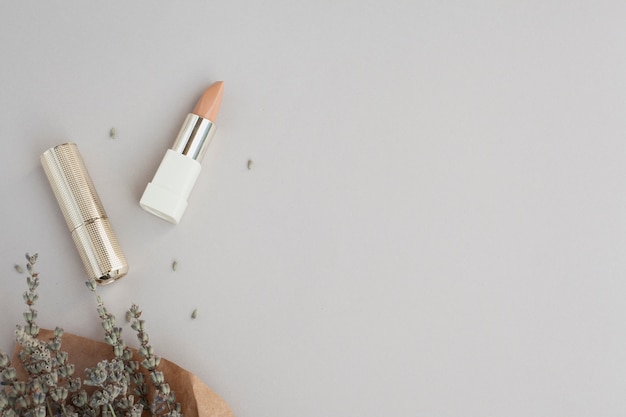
(31, 296)
(50, 376)
(8, 374)
(37, 357)
(165, 396)
(113, 333)
(13, 393)
(113, 336)
(111, 378)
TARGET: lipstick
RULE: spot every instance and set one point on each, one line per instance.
(84, 213)
(166, 195)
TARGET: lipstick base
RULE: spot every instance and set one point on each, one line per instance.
(101, 257)
(166, 195)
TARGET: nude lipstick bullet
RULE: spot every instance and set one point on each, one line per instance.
(166, 195)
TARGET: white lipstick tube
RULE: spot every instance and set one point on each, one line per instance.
(166, 195)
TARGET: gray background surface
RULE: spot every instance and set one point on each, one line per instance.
(434, 223)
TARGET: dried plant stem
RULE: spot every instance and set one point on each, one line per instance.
(165, 397)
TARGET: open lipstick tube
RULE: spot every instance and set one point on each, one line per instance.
(84, 213)
(166, 195)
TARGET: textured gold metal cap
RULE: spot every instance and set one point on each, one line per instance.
(84, 213)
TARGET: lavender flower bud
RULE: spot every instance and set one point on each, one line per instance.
(21, 402)
(19, 387)
(9, 413)
(39, 398)
(151, 362)
(157, 378)
(134, 311)
(61, 358)
(32, 282)
(138, 325)
(137, 410)
(40, 411)
(58, 332)
(59, 394)
(32, 329)
(30, 315)
(118, 350)
(117, 330)
(80, 399)
(30, 297)
(4, 360)
(128, 354)
(51, 379)
(107, 325)
(73, 384)
(9, 374)
(111, 340)
(54, 345)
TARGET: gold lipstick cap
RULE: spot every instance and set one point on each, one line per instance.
(84, 213)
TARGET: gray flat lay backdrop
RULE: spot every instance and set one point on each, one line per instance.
(433, 224)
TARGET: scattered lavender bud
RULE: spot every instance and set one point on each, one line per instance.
(174, 265)
(19, 269)
(249, 164)
(113, 133)
(194, 314)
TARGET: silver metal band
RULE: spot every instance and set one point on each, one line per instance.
(194, 137)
